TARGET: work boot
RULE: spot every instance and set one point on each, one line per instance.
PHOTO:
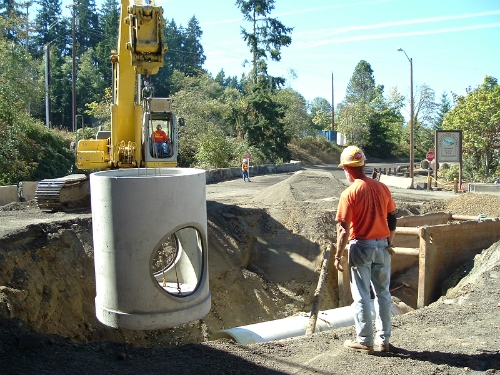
(357, 347)
(382, 347)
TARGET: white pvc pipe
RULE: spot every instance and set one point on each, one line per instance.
(293, 326)
(134, 212)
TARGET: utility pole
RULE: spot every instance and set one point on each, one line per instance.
(333, 108)
(73, 71)
(46, 49)
(411, 113)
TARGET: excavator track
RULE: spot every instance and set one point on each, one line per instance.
(68, 194)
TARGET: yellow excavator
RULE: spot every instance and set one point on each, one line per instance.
(135, 113)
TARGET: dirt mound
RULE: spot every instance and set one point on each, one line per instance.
(468, 204)
(303, 186)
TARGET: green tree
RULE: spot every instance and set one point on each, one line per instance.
(361, 86)
(425, 109)
(477, 114)
(384, 124)
(355, 111)
(192, 48)
(296, 121)
(196, 99)
(88, 32)
(321, 113)
(101, 111)
(109, 17)
(265, 128)
(90, 84)
(353, 122)
(267, 36)
(12, 21)
(443, 109)
(15, 93)
(51, 28)
(214, 149)
(185, 54)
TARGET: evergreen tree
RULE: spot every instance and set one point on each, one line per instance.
(361, 86)
(51, 28)
(444, 108)
(220, 78)
(11, 26)
(109, 18)
(88, 33)
(162, 81)
(192, 48)
(264, 128)
(268, 35)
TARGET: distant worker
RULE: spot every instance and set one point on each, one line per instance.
(161, 142)
(244, 170)
(367, 220)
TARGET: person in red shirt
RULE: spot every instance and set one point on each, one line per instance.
(366, 219)
(161, 142)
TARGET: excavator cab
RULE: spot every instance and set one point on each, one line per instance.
(158, 111)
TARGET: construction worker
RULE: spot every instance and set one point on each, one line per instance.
(161, 142)
(244, 170)
(367, 220)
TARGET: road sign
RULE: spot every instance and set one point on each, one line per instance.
(430, 156)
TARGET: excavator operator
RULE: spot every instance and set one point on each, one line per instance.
(161, 142)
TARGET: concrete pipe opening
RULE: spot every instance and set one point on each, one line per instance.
(177, 264)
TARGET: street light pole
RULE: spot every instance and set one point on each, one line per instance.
(73, 66)
(411, 112)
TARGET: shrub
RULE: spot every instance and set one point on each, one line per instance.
(29, 151)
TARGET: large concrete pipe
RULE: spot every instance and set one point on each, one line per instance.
(150, 247)
(294, 326)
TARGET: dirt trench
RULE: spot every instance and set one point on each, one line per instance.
(47, 279)
(264, 259)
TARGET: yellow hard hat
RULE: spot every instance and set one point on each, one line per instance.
(352, 156)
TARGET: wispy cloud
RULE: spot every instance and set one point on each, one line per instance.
(300, 11)
(410, 22)
(319, 9)
(402, 34)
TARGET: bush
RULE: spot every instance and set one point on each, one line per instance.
(214, 150)
(31, 152)
(448, 172)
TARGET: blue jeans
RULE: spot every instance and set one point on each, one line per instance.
(161, 149)
(245, 175)
(370, 263)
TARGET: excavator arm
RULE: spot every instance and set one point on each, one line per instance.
(140, 52)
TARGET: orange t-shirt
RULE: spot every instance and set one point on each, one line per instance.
(365, 205)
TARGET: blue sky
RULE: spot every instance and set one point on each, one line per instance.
(453, 43)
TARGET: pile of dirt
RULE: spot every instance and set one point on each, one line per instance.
(468, 204)
(264, 259)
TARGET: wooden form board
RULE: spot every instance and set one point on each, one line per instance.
(442, 245)
(444, 248)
